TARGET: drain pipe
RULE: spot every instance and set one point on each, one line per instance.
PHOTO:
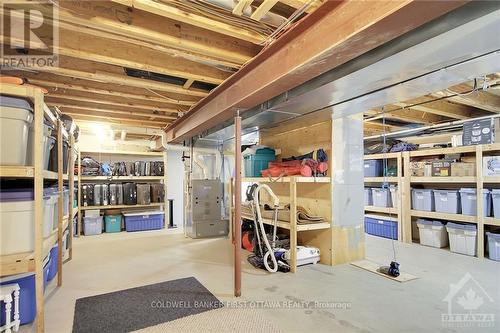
(420, 129)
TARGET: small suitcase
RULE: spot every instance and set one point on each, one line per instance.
(130, 168)
(119, 194)
(105, 194)
(157, 192)
(143, 194)
(98, 195)
(137, 168)
(113, 189)
(129, 194)
(157, 168)
(87, 195)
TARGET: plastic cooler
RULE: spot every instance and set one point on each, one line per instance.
(92, 225)
(447, 201)
(54, 256)
(27, 297)
(468, 201)
(17, 228)
(141, 221)
(462, 238)
(368, 197)
(259, 161)
(112, 223)
(381, 197)
(493, 245)
(422, 199)
(373, 168)
(16, 116)
(432, 233)
(381, 226)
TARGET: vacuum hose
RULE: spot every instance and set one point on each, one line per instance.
(270, 251)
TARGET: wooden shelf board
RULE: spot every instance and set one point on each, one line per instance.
(491, 180)
(17, 171)
(17, 263)
(381, 179)
(388, 210)
(492, 221)
(443, 180)
(50, 175)
(297, 179)
(122, 152)
(121, 178)
(442, 151)
(286, 225)
(444, 216)
(156, 204)
(382, 156)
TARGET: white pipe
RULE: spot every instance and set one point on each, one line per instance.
(276, 203)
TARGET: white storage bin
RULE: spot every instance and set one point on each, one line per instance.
(394, 196)
(47, 144)
(16, 116)
(381, 197)
(447, 201)
(368, 197)
(493, 246)
(50, 222)
(495, 197)
(432, 233)
(463, 238)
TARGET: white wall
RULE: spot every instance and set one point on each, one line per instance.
(175, 184)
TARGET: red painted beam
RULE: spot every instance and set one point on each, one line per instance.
(337, 32)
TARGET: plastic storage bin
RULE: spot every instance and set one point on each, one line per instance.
(382, 227)
(16, 116)
(381, 197)
(54, 256)
(493, 245)
(368, 197)
(51, 211)
(495, 198)
(422, 199)
(144, 221)
(432, 233)
(394, 196)
(48, 143)
(373, 168)
(259, 161)
(27, 297)
(92, 225)
(112, 223)
(54, 156)
(47, 262)
(468, 200)
(447, 201)
(17, 228)
(462, 238)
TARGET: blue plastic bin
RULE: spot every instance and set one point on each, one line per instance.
(27, 297)
(54, 256)
(493, 245)
(422, 199)
(373, 168)
(447, 201)
(381, 227)
(144, 221)
(468, 200)
(47, 262)
(259, 161)
(112, 223)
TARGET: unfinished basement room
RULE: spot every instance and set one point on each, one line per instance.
(250, 166)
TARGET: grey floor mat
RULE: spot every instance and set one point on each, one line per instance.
(132, 309)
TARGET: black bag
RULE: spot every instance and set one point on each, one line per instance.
(129, 194)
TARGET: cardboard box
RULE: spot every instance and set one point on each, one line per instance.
(441, 168)
(463, 169)
(421, 169)
(482, 131)
(491, 166)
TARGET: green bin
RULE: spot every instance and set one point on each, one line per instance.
(113, 223)
(259, 161)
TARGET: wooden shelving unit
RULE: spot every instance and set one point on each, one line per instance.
(405, 215)
(32, 261)
(110, 179)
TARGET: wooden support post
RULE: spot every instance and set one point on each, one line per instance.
(79, 228)
(38, 188)
(406, 198)
(166, 203)
(237, 206)
(479, 201)
(59, 200)
(399, 197)
(293, 225)
(71, 178)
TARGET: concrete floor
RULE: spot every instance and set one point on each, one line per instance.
(113, 262)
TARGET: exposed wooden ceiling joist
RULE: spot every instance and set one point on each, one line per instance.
(240, 6)
(441, 108)
(114, 120)
(171, 12)
(263, 9)
(407, 115)
(313, 4)
(479, 99)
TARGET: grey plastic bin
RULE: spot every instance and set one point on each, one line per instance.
(381, 197)
(422, 199)
(495, 198)
(92, 225)
(468, 199)
(447, 201)
(16, 115)
(373, 168)
(368, 197)
(493, 245)
(48, 142)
